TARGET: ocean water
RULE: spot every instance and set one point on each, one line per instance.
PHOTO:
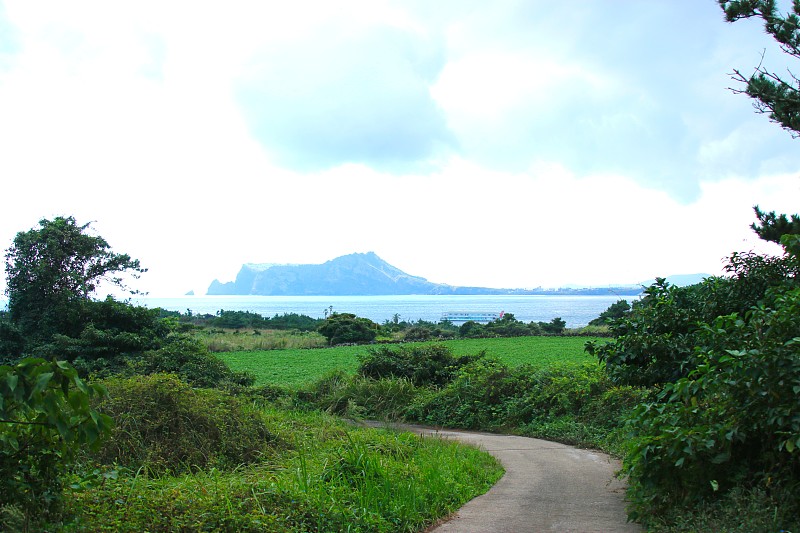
(577, 311)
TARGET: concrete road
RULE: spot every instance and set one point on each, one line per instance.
(547, 487)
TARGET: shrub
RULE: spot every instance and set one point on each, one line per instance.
(346, 328)
(576, 404)
(358, 397)
(191, 360)
(165, 425)
(735, 419)
(422, 365)
(46, 419)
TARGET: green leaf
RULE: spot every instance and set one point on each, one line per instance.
(41, 383)
(790, 446)
(12, 380)
(714, 485)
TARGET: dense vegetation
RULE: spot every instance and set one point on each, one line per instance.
(723, 357)
(127, 423)
(118, 418)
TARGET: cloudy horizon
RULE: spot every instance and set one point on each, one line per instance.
(514, 144)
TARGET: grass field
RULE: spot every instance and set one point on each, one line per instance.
(293, 368)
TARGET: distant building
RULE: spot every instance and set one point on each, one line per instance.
(470, 316)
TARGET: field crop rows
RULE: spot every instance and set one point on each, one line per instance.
(293, 368)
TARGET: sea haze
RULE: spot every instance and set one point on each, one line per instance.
(577, 311)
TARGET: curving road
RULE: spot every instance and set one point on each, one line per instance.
(547, 487)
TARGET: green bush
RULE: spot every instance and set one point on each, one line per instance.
(576, 404)
(733, 421)
(46, 420)
(347, 328)
(357, 396)
(655, 342)
(191, 360)
(105, 330)
(165, 425)
(422, 365)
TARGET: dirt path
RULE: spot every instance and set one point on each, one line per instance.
(547, 487)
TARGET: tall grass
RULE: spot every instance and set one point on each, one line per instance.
(229, 340)
(329, 477)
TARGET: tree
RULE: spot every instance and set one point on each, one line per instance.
(345, 328)
(52, 269)
(554, 327)
(772, 227)
(614, 312)
(774, 95)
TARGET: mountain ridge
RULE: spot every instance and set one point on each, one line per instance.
(362, 274)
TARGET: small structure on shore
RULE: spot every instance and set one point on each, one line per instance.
(470, 316)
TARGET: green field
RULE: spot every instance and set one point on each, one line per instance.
(294, 368)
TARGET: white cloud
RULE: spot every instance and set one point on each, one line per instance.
(580, 147)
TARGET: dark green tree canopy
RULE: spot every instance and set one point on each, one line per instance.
(55, 266)
(772, 227)
(345, 328)
(775, 95)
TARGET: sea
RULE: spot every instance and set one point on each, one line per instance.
(576, 311)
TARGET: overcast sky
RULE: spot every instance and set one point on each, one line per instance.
(502, 144)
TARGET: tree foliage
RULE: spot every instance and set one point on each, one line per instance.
(347, 328)
(724, 356)
(777, 96)
(52, 269)
(45, 418)
(772, 227)
(615, 311)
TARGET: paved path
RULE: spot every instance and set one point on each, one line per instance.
(547, 487)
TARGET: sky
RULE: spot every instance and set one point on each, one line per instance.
(509, 144)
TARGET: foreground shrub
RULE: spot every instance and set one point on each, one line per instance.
(331, 477)
(166, 426)
(735, 421)
(46, 419)
(575, 404)
(742, 510)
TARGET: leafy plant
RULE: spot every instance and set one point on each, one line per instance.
(432, 364)
(736, 417)
(45, 419)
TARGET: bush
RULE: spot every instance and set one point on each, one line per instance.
(46, 417)
(346, 328)
(191, 360)
(422, 365)
(165, 425)
(358, 397)
(575, 404)
(734, 420)
(107, 330)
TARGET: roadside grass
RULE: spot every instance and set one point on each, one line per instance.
(328, 476)
(294, 368)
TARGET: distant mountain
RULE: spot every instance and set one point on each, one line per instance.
(358, 275)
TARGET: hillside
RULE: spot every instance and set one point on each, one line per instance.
(356, 275)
